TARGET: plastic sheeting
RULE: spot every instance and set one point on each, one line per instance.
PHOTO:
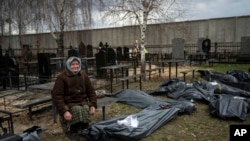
(236, 78)
(110, 130)
(225, 101)
(31, 134)
(227, 106)
(240, 75)
(143, 100)
(155, 114)
(178, 89)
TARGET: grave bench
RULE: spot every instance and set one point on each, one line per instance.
(154, 70)
(34, 102)
(6, 127)
(185, 72)
(126, 79)
(101, 103)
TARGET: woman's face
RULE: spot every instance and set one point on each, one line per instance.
(74, 66)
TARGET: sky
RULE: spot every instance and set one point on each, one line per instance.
(207, 9)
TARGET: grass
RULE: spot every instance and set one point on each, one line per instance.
(198, 126)
(223, 68)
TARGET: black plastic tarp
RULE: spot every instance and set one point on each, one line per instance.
(224, 101)
(228, 106)
(110, 130)
(220, 88)
(240, 75)
(178, 89)
(198, 90)
(31, 134)
(143, 100)
(155, 114)
(236, 78)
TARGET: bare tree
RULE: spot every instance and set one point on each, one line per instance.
(18, 15)
(3, 15)
(62, 15)
(56, 16)
(22, 17)
(143, 12)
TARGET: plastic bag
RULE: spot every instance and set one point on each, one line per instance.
(130, 121)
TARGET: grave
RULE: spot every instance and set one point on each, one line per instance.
(44, 67)
(100, 62)
(126, 53)
(199, 45)
(89, 51)
(244, 54)
(100, 44)
(119, 54)
(204, 47)
(9, 71)
(105, 57)
(203, 51)
(82, 50)
(178, 49)
(111, 57)
(73, 52)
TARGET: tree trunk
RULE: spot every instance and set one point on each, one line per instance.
(143, 36)
(60, 45)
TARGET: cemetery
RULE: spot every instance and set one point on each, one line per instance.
(183, 75)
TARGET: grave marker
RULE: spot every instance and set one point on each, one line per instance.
(178, 48)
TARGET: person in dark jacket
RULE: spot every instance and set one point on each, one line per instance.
(74, 98)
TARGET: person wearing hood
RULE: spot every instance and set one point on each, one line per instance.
(74, 98)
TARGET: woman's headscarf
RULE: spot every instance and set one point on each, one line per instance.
(70, 60)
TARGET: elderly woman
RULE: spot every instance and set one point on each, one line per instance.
(74, 97)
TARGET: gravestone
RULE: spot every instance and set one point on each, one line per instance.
(101, 59)
(106, 45)
(111, 57)
(178, 48)
(44, 67)
(126, 53)
(206, 46)
(73, 52)
(100, 44)
(82, 50)
(105, 57)
(244, 54)
(119, 53)
(9, 71)
(89, 51)
(199, 45)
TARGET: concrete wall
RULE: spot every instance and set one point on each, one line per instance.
(219, 30)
